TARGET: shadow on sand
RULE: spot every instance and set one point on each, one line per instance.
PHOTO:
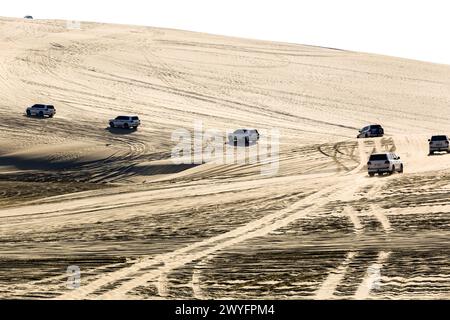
(441, 153)
(36, 117)
(120, 131)
(242, 144)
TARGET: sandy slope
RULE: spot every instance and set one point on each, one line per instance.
(73, 192)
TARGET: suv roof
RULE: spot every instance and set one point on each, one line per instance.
(385, 153)
(379, 156)
(439, 137)
(42, 106)
(127, 117)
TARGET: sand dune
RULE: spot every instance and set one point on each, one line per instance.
(73, 192)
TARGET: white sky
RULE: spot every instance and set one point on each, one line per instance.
(411, 29)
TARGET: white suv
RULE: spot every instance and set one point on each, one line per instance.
(41, 110)
(439, 143)
(384, 163)
(243, 137)
(126, 122)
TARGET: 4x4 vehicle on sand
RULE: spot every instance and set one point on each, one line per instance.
(243, 137)
(384, 163)
(125, 122)
(374, 130)
(41, 110)
(439, 143)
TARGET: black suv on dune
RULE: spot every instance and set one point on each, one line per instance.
(374, 130)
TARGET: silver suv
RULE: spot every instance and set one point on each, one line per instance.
(126, 122)
(41, 110)
(374, 130)
(384, 163)
(439, 143)
(243, 137)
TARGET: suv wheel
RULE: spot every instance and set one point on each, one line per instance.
(29, 113)
(401, 169)
(126, 126)
(371, 174)
(111, 124)
(41, 114)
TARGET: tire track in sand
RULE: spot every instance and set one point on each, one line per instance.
(155, 269)
(373, 274)
(150, 269)
(195, 284)
(329, 286)
(372, 277)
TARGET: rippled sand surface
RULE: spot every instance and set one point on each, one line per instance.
(75, 193)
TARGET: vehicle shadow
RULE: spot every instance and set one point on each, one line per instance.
(245, 145)
(384, 175)
(36, 117)
(120, 131)
(443, 153)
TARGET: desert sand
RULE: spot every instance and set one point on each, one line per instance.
(75, 193)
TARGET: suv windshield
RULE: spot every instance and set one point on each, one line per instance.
(50, 107)
(377, 157)
(134, 118)
(439, 138)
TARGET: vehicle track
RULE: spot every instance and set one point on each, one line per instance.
(191, 253)
(199, 250)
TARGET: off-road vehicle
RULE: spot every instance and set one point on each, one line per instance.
(41, 110)
(125, 122)
(374, 130)
(243, 137)
(439, 143)
(384, 163)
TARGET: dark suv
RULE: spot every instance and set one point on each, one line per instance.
(374, 130)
